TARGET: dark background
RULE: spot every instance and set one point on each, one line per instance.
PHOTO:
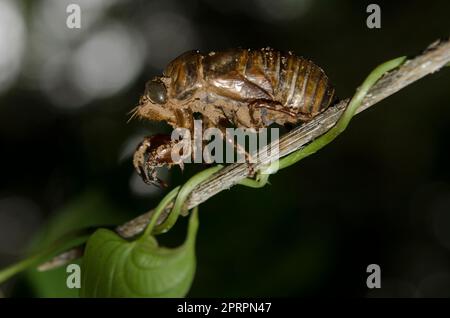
(379, 194)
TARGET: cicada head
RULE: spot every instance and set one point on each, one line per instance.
(154, 103)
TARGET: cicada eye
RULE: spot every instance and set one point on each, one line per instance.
(156, 91)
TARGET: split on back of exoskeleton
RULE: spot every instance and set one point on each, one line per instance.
(236, 87)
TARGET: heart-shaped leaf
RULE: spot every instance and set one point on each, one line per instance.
(114, 267)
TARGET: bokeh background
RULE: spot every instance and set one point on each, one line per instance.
(379, 194)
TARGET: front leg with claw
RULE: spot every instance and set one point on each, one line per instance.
(152, 153)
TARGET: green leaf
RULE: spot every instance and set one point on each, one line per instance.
(114, 267)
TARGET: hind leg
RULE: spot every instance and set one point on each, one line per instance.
(262, 114)
(265, 112)
(229, 140)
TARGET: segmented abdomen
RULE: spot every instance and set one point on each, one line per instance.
(301, 85)
(295, 82)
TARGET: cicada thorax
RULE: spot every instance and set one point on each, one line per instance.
(185, 74)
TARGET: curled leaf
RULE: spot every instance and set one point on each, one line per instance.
(114, 267)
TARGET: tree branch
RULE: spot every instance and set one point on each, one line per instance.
(431, 60)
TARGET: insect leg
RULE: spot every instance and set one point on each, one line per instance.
(222, 124)
(185, 119)
(265, 112)
(152, 152)
(229, 139)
